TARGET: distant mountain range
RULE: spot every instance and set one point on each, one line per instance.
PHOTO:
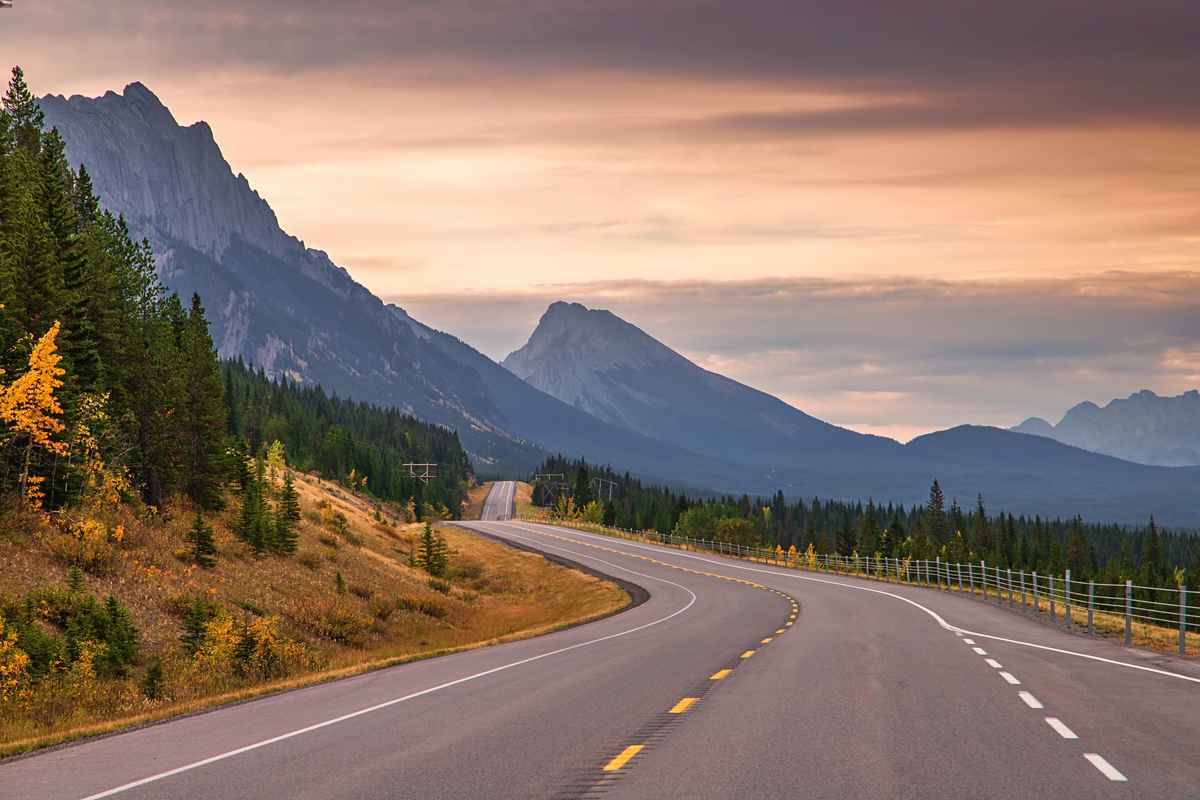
(291, 310)
(587, 383)
(1143, 427)
(604, 365)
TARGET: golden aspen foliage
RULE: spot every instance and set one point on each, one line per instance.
(14, 667)
(29, 408)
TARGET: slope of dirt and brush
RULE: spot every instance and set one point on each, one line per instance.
(350, 599)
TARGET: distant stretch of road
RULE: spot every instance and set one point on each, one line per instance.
(500, 502)
(731, 679)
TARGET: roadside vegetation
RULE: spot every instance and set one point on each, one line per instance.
(177, 532)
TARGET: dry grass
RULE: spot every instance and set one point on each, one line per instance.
(524, 499)
(476, 496)
(388, 614)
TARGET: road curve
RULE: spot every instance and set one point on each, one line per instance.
(873, 691)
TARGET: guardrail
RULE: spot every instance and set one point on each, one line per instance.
(1155, 614)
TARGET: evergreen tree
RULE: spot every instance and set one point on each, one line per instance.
(203, 411)
(200, 536)
(23, 109)
(287, 516)
(936, 514)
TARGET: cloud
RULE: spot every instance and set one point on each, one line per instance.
(899, 354)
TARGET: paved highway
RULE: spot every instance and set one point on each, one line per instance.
(702, 691)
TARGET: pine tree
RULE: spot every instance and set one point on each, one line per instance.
(198, 615)
(936, 514)
(22, 107)
(203, 418)
(254, 522)
(432, 555)
(287, 516)
(152, 682)
(339, 583)
(200, 536)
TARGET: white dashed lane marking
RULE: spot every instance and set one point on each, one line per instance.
(1030, 700)
(1061, 729)
(1108, 770)
(1008, 676)
(979, 651)
(993, 663)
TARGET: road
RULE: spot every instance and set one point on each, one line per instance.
(500, 502)
(873, 691)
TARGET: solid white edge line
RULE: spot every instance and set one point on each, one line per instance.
(1107, 769)
(1010, 678)
(387, 703)
(1060, 728)
(936, 616)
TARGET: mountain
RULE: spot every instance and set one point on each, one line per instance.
(611, 369)
(289, 309)
(601, 364)
(1143, 427)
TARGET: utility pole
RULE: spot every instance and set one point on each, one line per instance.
(555, 482)
(600, 483)
(422, 472)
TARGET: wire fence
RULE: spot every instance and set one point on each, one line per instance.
(1155, 613)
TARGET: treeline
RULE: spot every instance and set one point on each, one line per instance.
(1103, 552)
(346, 440)
(111, 386)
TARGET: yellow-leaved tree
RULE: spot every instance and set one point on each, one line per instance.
(30, 410)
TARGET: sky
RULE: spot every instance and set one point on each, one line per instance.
(896, 216)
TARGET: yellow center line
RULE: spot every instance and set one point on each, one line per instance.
(781, 630)
(747, 654)
(766, 640)
(719, 674)
(623, 758)
(683, 705)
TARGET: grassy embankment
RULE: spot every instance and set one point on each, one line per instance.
(347, 602)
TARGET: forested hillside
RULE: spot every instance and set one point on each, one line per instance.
(157, 544)
(1146, 554)
(335, 437)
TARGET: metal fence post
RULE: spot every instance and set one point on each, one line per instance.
(1024, 599)
(937, 571)
(1037, 603)
(1010, 585)
(1128, 613)
(1182, 620)
(959, 565)
(1067, 599)
(971, 575)
(999, 596)
(983, 578)
(1091, 605)
(1053, 610)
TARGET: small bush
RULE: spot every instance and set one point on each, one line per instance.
(429, 607)
(340, 624)
(439, 585)
(310, 560)
(329, 541)
(382, 609)
(467, 569)
(361, 592)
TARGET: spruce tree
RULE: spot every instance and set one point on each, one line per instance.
(203, 418)
(936, 514)
(287, 516)
(22, 107)
(200, 536)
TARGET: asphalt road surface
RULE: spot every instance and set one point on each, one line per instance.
(702, 691)
(500, 502)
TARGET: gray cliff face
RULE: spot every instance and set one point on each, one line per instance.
(1144, 427)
